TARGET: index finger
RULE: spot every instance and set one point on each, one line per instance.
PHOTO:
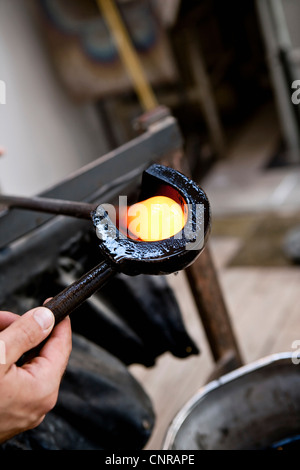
(6, 318)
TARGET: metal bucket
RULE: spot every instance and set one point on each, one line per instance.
(254, 407)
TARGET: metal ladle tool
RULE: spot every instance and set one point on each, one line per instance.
(122, 254)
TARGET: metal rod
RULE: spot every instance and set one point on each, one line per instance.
(72, 297)
(211, 305)
(210, 302)
(80, 210)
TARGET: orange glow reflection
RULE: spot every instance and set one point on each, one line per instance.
(155, 219)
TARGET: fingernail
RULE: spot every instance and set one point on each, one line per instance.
(44, 317)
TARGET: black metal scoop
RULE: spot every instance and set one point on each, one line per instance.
(134, 257)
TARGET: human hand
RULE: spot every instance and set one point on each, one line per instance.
(29, 392)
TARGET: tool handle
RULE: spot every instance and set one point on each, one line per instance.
(72, 297)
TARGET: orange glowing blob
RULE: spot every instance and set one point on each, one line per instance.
(155, 219)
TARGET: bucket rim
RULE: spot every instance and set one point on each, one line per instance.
(246, 369)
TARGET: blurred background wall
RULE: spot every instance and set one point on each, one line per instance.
(213, 64)
(45, 134)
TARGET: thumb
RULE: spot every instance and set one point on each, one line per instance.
(26, 333)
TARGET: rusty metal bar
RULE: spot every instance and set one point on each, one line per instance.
(210, 302)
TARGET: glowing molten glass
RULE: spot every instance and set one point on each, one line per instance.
(155, 219)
